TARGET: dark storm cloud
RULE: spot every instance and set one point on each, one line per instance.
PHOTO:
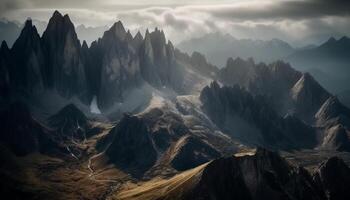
(300, 9)
(292, 20)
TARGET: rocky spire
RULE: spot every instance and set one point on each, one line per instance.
(84, 45)
(308, 95)
(148, 48)
(128, 37)
(65, 70)
(30, 61)
(4, 47)
(137, 41)
(119, 30)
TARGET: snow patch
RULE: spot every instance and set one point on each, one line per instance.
(93, 106)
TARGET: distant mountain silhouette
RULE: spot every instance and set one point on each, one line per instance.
(218, 48)
(328, 62)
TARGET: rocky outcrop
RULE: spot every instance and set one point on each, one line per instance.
(159, 67)
(191, 152)
(333, 176)
(70, 123)
(116, 67)
(65, 69)
(308, 96)
(334, 119)
(5, 65)
(23, 135)
(291, 93)
(274, 81)
(157, 139)
(111, 69)
(30, 61)
(264, 175)
(198, 63)
(132, 148)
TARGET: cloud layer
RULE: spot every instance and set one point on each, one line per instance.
(296, 21)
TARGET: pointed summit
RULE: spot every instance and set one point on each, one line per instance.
(119, 30)
(128, 36)
(59, 24)
(64, 70)
(29, 60)
(307, 85)
(4, 47)
(56, 14)
(138, 36)
(308, 95)
(331, 109)
(84, 46)
(29, 32)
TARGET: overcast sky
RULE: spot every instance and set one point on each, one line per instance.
(296, 21)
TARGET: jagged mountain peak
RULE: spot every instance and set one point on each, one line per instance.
(331, 164)
(29, 32)
(332, 108)
(138, 36)
(344, 39)
(331, 40)
(333, 176)
(307, 85)
(84, 45)
(57, 14)
(258, 176)
(280, 65)
(131, 147)
(128, 36)
(59, 24)
(70, 111)
(119, 30)
(308, 96)
(239, 62)
(158, 36)
(70, 122)
(4, 47)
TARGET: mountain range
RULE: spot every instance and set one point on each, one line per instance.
(327, 62)
(169, 125)
(218, 47)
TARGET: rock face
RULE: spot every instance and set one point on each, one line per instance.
(115, 67)
(308, 96)
(159, 67)
(65, 69)
(333, 176)
(70, 123)
(22, 134)
(251, 119)
(259, 176)
(132, 148)
(327, 63)
(5, 65)
(262, 176)
(334, 119)
(110, 69)
(198, 63)
(274, 81)
(292, 93)
(192, 152)
(29, 62)
(157, 139)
